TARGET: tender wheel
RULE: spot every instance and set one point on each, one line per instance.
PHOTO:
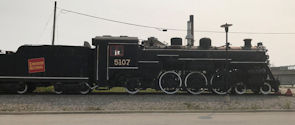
(265, 89)
(218, 85)
(132, 90)
(31, 88)
(195, 82)
(255, 90)
(169, 82)
(58, 88)
(132, 85)
(240, 88)
(84, 88)
(22, 88)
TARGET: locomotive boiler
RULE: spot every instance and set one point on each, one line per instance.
(176, 67)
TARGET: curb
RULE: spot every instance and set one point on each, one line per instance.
(141, 111)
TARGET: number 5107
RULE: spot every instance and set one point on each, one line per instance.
(122, 62)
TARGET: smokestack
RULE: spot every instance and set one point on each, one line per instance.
(190, 31)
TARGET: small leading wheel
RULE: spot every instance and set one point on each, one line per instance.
(240, 88)
(84, 88)
(22, 88)
(218, 84)
(221, 91)
(265, 88)
(169, 82)
(195, 82)
(58, 88)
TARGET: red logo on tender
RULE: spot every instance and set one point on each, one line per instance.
(36, 65)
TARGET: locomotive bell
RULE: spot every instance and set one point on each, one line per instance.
(247, 43)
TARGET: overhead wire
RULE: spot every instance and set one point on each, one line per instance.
(110, 20)
(57, 25)
(170, 29)
(45, 26)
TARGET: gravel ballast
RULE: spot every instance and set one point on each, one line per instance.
(152, 102)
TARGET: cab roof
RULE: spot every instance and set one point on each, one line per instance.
(114, 39)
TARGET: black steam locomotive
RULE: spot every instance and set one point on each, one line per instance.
(123, 62)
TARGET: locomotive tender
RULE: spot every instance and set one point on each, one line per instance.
(123, 62)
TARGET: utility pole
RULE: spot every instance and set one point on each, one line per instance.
(54, 19)
(226, 26)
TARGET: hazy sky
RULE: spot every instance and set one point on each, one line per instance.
(30, 22)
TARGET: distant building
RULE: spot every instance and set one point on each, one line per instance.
(286, 74)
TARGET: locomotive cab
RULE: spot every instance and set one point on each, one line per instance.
(115, 58)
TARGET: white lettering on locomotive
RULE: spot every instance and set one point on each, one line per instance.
(122, 62)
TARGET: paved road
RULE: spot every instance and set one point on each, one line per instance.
(261, 118)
